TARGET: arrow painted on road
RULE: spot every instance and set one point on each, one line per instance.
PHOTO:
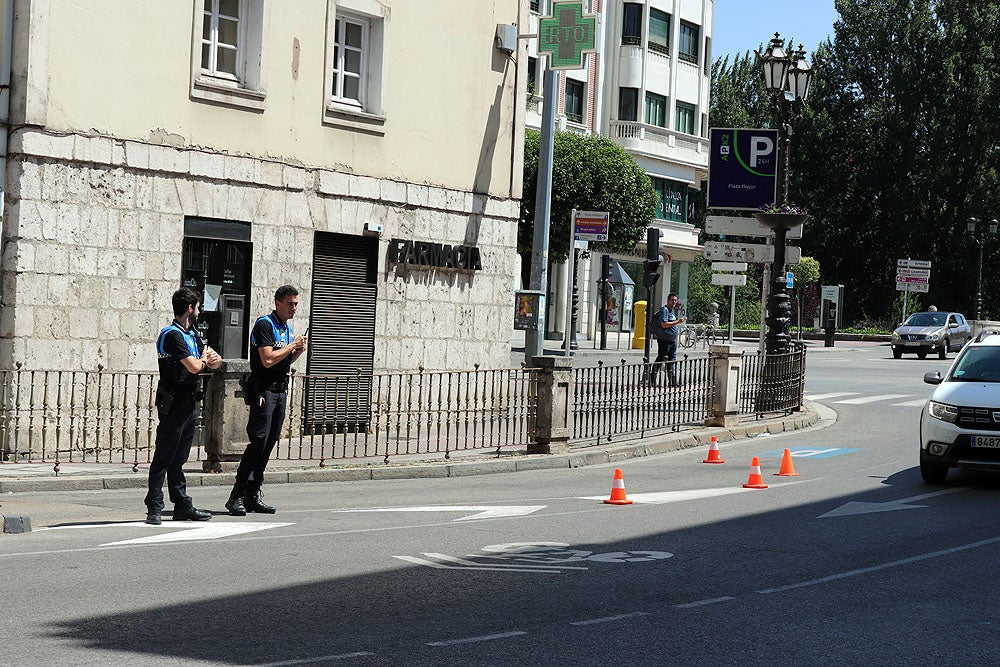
(201, 531)
(675, 496)
(481, 511)
(902, 504)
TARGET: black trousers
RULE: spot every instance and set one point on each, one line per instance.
(666, 350)
(267, 415)
(174, 436)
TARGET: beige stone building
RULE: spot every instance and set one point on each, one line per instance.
(352, 148)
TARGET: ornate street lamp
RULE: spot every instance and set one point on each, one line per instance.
(787, 78)
(974, 226)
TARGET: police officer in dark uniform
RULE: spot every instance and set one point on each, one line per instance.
(181, 357)
(273, 350)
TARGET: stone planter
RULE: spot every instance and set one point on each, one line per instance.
(776, 221)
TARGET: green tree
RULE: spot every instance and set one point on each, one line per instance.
(589, 173)
(900, 143)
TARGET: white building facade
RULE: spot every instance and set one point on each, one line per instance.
(237, 145)
(648, 90)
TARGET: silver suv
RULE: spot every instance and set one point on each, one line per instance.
(960, 425)
(931, 331)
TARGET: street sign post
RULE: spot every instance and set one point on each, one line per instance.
(912, 275)
(753, 253)
(591, 225)
(731, 279)
(742, 168)
(734, 226)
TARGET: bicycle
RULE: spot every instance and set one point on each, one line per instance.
(707, 334)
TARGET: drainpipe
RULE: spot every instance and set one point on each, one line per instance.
(5, 67)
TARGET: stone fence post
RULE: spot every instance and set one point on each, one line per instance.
(724, 403)
(554, 423)
(225, 435)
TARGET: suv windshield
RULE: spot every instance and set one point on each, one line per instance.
(978, 364)
(926, 320)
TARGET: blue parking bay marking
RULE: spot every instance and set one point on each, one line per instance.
(812, 452)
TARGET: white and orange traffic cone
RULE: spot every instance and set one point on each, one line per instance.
(618, 490)
(713, 452)
(756, 480)
(787, 467)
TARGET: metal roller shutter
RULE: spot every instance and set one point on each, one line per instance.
(341, 329)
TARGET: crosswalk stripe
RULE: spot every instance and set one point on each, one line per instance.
(871, 399)
(836, 394)
(912, 404)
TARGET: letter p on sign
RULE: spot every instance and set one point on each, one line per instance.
(759, 147)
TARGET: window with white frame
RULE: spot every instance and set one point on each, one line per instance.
(228, 44)
(356, 50)
(349, 60)
(223, 39)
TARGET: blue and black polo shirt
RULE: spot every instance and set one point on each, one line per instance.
(268, 331)
(172, 345)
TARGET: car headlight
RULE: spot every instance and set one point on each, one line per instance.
(895, 336)
(934, 336)
(948, 413)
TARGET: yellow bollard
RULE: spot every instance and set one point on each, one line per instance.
(639, 335)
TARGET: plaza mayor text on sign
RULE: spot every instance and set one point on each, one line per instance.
(442, 255)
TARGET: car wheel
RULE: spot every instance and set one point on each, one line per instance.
(922, 354)
(933, 473)
(943, 352)
(897, 354)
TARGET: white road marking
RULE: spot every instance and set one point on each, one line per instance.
(836, 394)
(883, 566)
(871, 399)
(200, 531)
(919, 403)
(470, 640)
(702, 603)
(490, 568)
(462, 561)
(481, 511)
(850, 508)
(321, 658)
(675, 496)
(609, 619)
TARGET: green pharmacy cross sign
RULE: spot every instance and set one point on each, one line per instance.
(567, 35)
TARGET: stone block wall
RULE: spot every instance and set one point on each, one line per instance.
(93, 234)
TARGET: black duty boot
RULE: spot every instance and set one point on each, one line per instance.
(235, 504)
(253, 501)
(190, 513)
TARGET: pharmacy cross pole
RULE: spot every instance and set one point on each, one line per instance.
(567, 35)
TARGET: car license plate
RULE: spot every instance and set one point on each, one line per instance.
(989, 441)
(911, 343)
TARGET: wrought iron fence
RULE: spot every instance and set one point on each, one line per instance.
(79, 416)
(344, 417)
(772, 383)
(636, 400)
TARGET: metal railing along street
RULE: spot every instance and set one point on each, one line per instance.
(618, 402)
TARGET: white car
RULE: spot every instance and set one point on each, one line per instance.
(960, 425)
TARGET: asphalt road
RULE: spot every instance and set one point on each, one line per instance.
(853, 562)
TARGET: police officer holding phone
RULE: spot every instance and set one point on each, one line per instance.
(273, 350)
(181, 356)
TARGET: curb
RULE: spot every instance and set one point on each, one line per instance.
(578, 458)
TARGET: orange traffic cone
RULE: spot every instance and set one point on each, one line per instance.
(756, 481)
(787, 468)
(713, 452)
(618, 490)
